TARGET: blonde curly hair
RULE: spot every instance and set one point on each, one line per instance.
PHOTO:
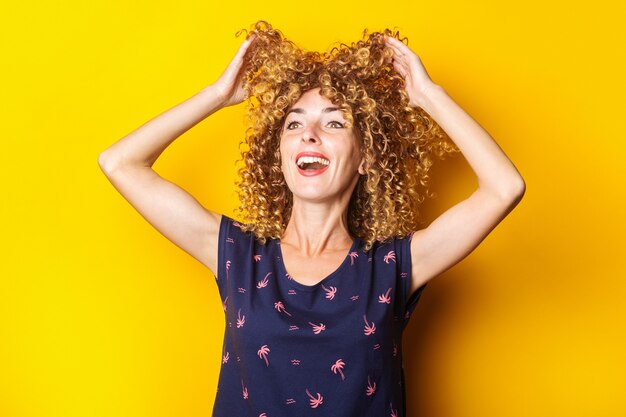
(398, 141)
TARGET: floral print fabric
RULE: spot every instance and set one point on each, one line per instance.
(330, 349)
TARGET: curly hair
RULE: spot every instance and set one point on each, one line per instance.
(398, 141)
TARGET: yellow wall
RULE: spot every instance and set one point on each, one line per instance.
(102, 316)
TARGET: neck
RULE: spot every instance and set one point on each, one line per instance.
(315, 228)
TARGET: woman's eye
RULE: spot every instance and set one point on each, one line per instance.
(334, 124)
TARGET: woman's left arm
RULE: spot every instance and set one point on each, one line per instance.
(459, 230)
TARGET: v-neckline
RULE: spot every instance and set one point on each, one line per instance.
(304, 287)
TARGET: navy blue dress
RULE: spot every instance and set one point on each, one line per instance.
(330, 349)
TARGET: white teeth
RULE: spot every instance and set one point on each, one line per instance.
(311, 159)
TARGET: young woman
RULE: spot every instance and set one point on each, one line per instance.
(320, 277)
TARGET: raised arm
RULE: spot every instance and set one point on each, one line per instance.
(458, 231)
(170, 209)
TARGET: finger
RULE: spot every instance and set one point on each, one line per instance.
(389, 40)
(244, 47)
(237, 60)
(394, 43)
(395, 57)
(398, 54)
(400, 60)
(403, 66)
(400, 48)
(250, 40)
(400, 69)
(410, 61)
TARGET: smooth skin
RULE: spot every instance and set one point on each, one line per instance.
(317, 238)
(317, 233)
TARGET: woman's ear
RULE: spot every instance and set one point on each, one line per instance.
(362, 167)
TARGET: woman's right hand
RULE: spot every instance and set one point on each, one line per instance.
(229, 86)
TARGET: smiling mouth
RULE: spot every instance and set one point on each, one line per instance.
(309, 166)
(310, 163)
(312, 172)
(314, 166)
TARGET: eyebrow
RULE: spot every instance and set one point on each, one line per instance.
(301, 111)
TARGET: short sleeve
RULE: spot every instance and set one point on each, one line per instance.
(234, 257)
(231, 238)
(226, 225)
(403, 251)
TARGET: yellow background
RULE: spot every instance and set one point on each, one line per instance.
(100, 315)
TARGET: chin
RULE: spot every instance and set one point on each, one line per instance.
(313, 196)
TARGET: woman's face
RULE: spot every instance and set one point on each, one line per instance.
(320, 157)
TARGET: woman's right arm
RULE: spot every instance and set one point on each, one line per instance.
(171, 210)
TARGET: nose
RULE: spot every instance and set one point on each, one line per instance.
(309, 135)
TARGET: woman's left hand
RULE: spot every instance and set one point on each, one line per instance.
(409, 66)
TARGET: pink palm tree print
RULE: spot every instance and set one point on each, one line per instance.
(281, 308)
(353, 256)
(263, 283)
(241, 320)
(317, 329)
(337, 367)
(384, 298)
(391, 256)
(315, 402)
(225, 358)
(369, 329)
(394, 412)
(263, 354)
(224, 303)
(330, 292)
(262, 415)
(371, 389)
(257, 258)
(244, 391)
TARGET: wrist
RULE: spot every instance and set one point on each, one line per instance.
(216, 95)
(429, 96)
